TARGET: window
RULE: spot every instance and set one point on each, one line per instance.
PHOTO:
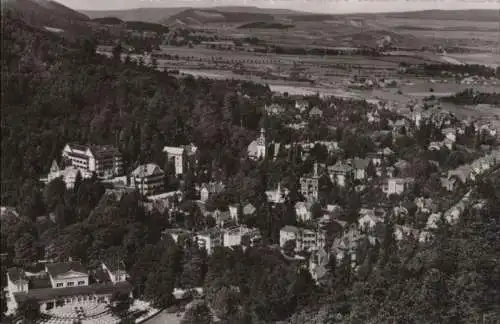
(81, 283)
(70, 284)
(59, 284)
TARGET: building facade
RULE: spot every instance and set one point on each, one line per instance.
(209, 239)
(309, 186)
(257, 149)
(103, 160)
(59, 284)
(148, 179)
(181, 156)
(305, 239)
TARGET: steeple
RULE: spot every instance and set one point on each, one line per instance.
(54, 168)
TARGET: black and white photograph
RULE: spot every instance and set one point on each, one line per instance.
(250, 162)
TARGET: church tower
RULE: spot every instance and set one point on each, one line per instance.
(261, 144)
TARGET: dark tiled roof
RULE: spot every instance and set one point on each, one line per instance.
(52, 293)
(56, 269)
(104, 151)
(40, 282)
(360, 163)
(15, 274)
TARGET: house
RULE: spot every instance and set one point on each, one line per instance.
(277, 196)
(318, 263)
(103, 160)
(396, 186)
(449, 183)
(209, 239)
(485, 128)
(305, 239)
(242, 235)
(425, 205)
(435, 146)
(257, 148)
(450, 144)
(181, 156)
(309, 186)
(463, 173)
(249, 210)
(433, 221)
(175, 233)
(58, 284)
(399, 126)
(209, 189)
(359, 168)
(67, 274)
(233, 213)
(115, 269)
(340, 172)
(68, 174)
(303, 211)
(373, 117)
(450, 133)
(274, 109)
(403, 232)
(316, 113)
(148, 179)
(402, 166)
(368, 220)
(301, 105)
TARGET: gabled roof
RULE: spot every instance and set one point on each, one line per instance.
(56, 269)
(104, 151)
(147, 170)
(51, 293)
(173, 150)
(315, 112)
(249, 209)
(358, 163)
(114, 264)
(340, 167)
(291, 229)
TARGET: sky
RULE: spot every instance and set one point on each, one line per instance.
(320, 6)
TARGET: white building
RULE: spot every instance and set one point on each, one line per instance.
(233, 212)
(67, 274)
(257, 149)
(396, 185)
(305, 239)
(148, 179)
(242, 236)
(103, 160)
(209, 239)
(180, 156)
(368, 220)
(277, 196)
(175, 233)
(303, 211)
(63, 283)
(68, 174)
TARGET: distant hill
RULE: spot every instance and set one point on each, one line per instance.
(108, 21)
(476, 15)
(156, 15)
(265, 25)
(206, 16)
(152, 15)
(47, 13)
(146, 26)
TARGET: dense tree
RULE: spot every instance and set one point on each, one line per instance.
(198, 313)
